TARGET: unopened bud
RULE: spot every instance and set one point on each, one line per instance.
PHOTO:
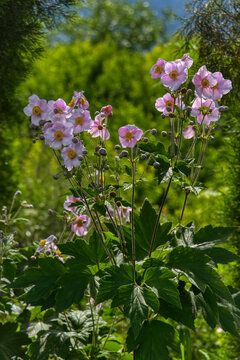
(97, 113)
(113, 194)
(124, 153)
(188, 109)
(50, 211)
(48, 252)
(34, 141)
(1, 233)
(189, 92)
(117, 147)
(223, 108)
(184, 90)
(171, 115)
(42, 122)
(143, 156)
(103, 152)
(153, 131)
(65, 173)
(35, 133)
(80, 158)
(32, 126)
(41, 137)
(97, 148)
(33, 258)
(163, 133)
(106, 167)
(211, 137)
(18, 193)
(3, 216)
(145, 139)
(85, 152)
(191, 228)
(168, 108)
(156, 165)
(191, 122)
(14, 233)
(118, 203)
(55, 176)
(4, 240)
(75, 140)
(163, 116)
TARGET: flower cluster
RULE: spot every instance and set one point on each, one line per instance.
(209, 89)
(48, 247)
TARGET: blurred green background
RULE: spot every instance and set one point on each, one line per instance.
(107, 48)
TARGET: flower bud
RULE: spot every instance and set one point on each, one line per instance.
(4, 240)
(97, 113)
(1, 233)
(188, 109)
(124, 153)
(35, 133)
(168, 108)
(32, 126)
(163, 116)
(33, 258)
(113, 194)
(184, 90)
(14, 233)
(117, 147)
(211, 137)
(103, 152)
(106, 167)
(85, 152)
(34, 141)
(171, 115)
(97, 148)
(3, 216)
(191, 122)
(143, 156)
(80, 158)
(50, 211)
(42, 122)
(65, 173)
(153, 131)
(55, 176)
(48, 252)
(145, 139)
(156, 165)
(18, 193)
(118, 203)
(163, 133)
(75, 140)
(41, 137)
(189, 92)
(223, 108)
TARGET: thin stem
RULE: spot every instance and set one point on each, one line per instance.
(184, 205)
(172, 139)
(159, 217)
(132, 213)
(202, 161)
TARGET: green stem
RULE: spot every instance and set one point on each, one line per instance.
(132, 213)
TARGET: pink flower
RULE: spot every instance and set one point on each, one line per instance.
(71, 200)
(175, 74)
(107, 111)
(57, 134)
(129, 135)
(188, 132)
(79, 100)
(188, 61)
(81, 120)
(167, 101)
(37, 109)
(57, 110)
(157, 71)
(206, 109)
(71, 155)
(125, 212)
(204, 81)
(222, 86)
(99, 129)
(80, 225)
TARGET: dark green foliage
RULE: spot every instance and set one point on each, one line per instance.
(11, 341)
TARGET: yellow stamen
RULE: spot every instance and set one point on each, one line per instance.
(58, 252)
(82, 101)
(128, 135)
(79, 120)
(36, 110)
(72, 102)
(58, 135)
(173, 74)
(100, 127)
(218, 100)
(58, 110)
(79, 223)
(158, 69)
(205, 83)
(169, 103)
(42, 243)
(71, 154)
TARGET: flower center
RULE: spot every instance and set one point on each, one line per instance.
(100, 127)
(108, 110)
(205, 83)
(158, 69)
(79, 120)
(82, 101)
(215, 86)
(128, 135)
(42, 243)
(169, 103)
(71, 154)
(58, 135)
(36, 110)
(79, 222)
(58, 252)
(71, 103)
(173, 74)
(58, 110)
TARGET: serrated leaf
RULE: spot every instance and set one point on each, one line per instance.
(153, 148)
(42, 279)
(11, 341)
(9, 269)
(226, 320)
(115, 277)
(208, 304)
(221, 255)
(193, 263)
(166, 288)
(211, 235)
(152, 342)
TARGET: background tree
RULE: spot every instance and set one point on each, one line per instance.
(215, 25)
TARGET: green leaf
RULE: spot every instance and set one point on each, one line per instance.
(153, 148)
(152, 342)
(220, 255)
(211, 235)
(86, 254)
(115, 277)
(42, 279)
(192, 263)
(166, 288)
(128, 170)
(11, 341)
(183, 167)
(9, 269)
(185, 316)
(73, 285)
(226, 320)
(207, 302)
